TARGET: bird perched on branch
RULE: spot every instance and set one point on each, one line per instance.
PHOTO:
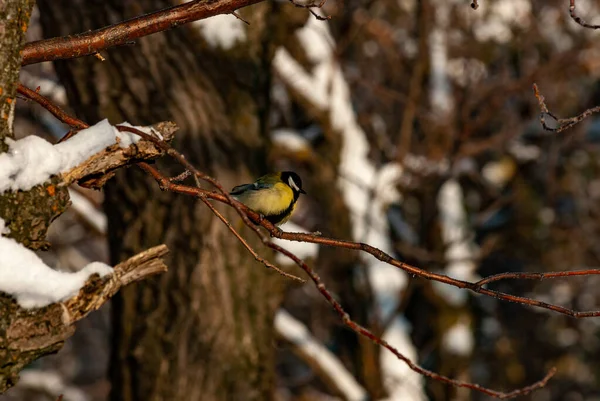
(273, 195)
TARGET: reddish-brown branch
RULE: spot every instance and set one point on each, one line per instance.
(168, 184)
(562, 124)
(536, 276)
(578, 19)
(152, 171)
(52, 108)
(88, 43)
(378, 340)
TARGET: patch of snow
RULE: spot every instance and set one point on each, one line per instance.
(48, 87)
(32, 283)
(400, 381)
(296, 333)
(458, 339)
(303, 250)
(88, 211)
(439, 90)
(495, 19)
(50, 383)
(222, 31)
(461, 251)
(290, 139)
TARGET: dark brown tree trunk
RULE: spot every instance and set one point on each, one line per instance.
(204, 329)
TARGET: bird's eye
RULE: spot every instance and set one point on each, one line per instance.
(293, 184)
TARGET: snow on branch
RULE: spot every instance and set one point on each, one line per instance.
(58, 300)
(91, 157)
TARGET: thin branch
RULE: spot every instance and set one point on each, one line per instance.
(247, 214)
(310, 6)
(536, 276)
(358, 246)
(56, 111)
(236, 15)
(265, 262)
(562, 124)
(166, 184)
(357, 328)
(578, 19)
(89, 43)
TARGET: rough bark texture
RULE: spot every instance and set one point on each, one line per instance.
(28, 334)
(14, 19)
(204, 330)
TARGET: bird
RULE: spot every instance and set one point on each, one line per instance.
(273, 196)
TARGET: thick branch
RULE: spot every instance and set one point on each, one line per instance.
(98, 169)
(27, 335)
(87, 43)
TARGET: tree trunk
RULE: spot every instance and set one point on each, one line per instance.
(204, 329)
(14, 20)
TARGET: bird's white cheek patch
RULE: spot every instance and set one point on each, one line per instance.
(293, 184)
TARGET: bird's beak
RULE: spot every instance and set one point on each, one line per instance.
(302, 191)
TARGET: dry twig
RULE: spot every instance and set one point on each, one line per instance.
(562, 124)
(578, 19)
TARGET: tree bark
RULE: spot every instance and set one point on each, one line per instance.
(204, 329)
(14, 20)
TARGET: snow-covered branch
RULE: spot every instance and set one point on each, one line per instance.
(40, 305)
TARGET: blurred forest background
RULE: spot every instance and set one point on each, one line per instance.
(414, 127)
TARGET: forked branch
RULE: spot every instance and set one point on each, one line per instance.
(254, 221)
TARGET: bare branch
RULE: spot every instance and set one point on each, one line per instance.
(167, 184)
(559, 124)
(245, 243)
(578, 19)
(56, 111)
(247, 215)
(537, 276)
(89, 43)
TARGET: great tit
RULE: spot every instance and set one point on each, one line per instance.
(273, 195)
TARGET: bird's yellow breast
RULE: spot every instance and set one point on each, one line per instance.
(269, 201)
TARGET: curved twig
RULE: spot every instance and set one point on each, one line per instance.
(578, 19)
(562, 124)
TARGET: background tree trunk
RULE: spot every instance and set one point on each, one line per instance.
(204, 330)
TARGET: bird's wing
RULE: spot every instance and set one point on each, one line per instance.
(247, 187)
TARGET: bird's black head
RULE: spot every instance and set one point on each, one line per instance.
(293, 180)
